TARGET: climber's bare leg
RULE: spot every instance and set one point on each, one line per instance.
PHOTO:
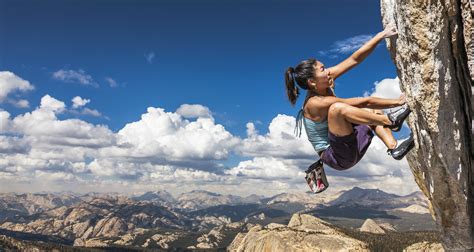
(341, 116)
(385, 134)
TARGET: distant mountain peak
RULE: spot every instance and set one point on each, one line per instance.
(159, 196)
(204, 192)
(362, 196)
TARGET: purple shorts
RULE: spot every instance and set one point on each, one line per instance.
(346, 151)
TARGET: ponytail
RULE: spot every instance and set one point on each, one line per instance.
(298, 76)
(291, 89)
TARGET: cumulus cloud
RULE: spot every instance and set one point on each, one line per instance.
(54, 176)
(251, 131)
(268, 168)
(42, 124)
(386, 88)
(161, 148)
(91, 112)
(4, 121)
(77, 102)
(74, 76)
(193, 111)
(13, 144)
(280, 141)
(39, 146)
(9, 82)
(49, 103)
(170, 135)
(20, 103)
(346, 46)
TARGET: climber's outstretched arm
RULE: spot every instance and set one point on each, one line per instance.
(359, 55)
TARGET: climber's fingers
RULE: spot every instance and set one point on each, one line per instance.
(390, 30)
(402, 99)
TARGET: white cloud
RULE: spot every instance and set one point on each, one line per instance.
(193, 111)
(279, 142)
(9, 83)
(149, 57)
(54, 176)
(20, 103)
(268, 168)
(43, 125)
(73, 76)
(111, 82)
(386, 88)
(166, 134)
(79, 102)
(164, 147)
(91, 112)
(4, 121)
(51, 104)
(251, 131)
(346, 46)
(13, 144)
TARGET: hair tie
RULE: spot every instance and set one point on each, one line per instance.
(293, 75)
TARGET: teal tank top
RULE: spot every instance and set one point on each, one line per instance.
(317, 132)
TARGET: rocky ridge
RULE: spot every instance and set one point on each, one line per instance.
(303, 233)
(424, 246)
(100, 217)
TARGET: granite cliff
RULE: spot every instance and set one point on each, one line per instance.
(432, 53)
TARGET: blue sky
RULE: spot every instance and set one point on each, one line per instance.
(227, 55)
(122, 57)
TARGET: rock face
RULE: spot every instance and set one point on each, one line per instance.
(387, 227)
(431, 56)
(424, 246)
(303, 233)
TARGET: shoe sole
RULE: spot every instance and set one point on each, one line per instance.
(412, 144)
(398, 128)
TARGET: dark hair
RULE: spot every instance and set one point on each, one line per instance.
(300, 74)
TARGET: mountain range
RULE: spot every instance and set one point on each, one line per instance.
(198, 219)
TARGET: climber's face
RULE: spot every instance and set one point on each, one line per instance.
(322, 76)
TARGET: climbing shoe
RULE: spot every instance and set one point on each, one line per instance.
(403, 148)
(397, 117)
(316, 177)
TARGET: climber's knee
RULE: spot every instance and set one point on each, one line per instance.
(337, 108)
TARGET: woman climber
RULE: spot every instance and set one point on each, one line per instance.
(341, 130)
